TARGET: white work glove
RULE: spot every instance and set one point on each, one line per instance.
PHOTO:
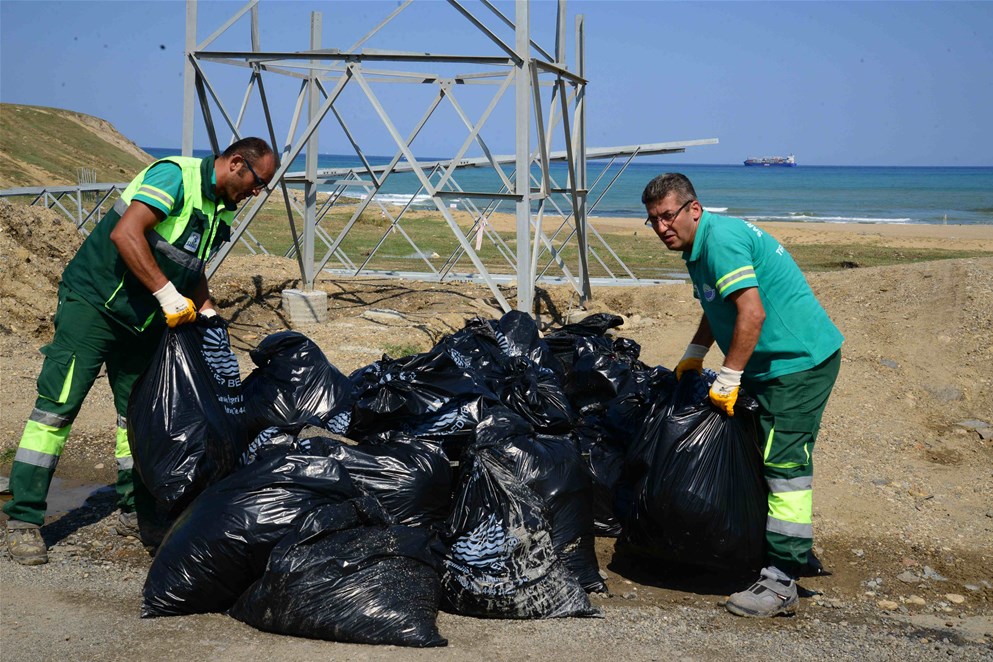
(692, 359)
(724, 390)
(177, 308)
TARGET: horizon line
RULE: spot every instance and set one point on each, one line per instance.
(177, 150)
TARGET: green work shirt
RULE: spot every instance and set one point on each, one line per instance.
(730, 254)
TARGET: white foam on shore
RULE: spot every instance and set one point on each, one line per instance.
(803, 218)
(399, 199)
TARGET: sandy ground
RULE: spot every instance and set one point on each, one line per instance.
(903, 513)
(896, 235)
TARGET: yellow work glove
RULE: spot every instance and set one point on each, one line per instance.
(692, 360)
(724, 390)
(176, 308)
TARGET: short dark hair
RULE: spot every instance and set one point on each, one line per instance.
(250, 149)
(663, 185)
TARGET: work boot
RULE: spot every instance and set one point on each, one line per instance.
(25, 544)
(127, 524)
(771, 595)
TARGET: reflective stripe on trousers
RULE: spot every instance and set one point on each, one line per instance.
(122, 449)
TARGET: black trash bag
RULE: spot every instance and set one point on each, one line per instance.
(605, 463)
(628, 351)
(597, 324)
(604, 434)
(562, 341)
(411, 479)
(394, 393)
(271, 439)
(511, 359)
(534, 393)
(596, 375)
(602, 371)
(293, 385)
(453, 426)
(553, 467)
(221, 543)
(523, 339)
(702, 499)
(624, 415)
(347, 575)
(216, 344)
(485, 344)
(501, 562)
(184, 414)
(477, 346)
(665, 396)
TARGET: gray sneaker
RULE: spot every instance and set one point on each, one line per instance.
(127, 525)
(25, 544)
(769, 596)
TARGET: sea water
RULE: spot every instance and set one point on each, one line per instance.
(818, 194)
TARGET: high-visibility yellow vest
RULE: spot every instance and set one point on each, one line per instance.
(181, 245)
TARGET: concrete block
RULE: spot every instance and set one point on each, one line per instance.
(305, 306)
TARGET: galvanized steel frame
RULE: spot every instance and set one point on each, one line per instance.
(515, 64)
(84, 213)
(317, 68)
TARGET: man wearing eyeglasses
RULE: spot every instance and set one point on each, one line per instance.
(779, 343)
(140, 270)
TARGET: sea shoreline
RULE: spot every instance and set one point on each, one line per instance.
(819, 194)
(904, 235)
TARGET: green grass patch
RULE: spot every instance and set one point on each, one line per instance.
(819, 257)
(54, 145)
(371, 238)
(401, 350)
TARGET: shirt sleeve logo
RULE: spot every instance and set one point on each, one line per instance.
(708, 292)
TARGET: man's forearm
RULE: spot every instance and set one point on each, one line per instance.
(703, 336)
(201, 296)
(129, 238)
(747, 328)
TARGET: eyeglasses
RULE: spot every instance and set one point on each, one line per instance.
(668, 217)
(259, 182)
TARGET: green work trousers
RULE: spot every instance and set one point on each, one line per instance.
(790, 413)
(85, 340)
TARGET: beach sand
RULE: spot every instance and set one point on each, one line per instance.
(894, 235)
(963, 237)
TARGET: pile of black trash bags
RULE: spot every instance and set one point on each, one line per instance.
(472, 478)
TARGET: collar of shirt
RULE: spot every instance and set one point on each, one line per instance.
(207, 174)
(702, 228)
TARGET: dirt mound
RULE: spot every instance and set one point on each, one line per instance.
(35, 246)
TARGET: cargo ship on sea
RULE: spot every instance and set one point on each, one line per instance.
(780, 161)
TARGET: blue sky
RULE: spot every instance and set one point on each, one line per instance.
(853, 83)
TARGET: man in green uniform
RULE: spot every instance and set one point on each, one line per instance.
(779, 342)
(142, 268)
